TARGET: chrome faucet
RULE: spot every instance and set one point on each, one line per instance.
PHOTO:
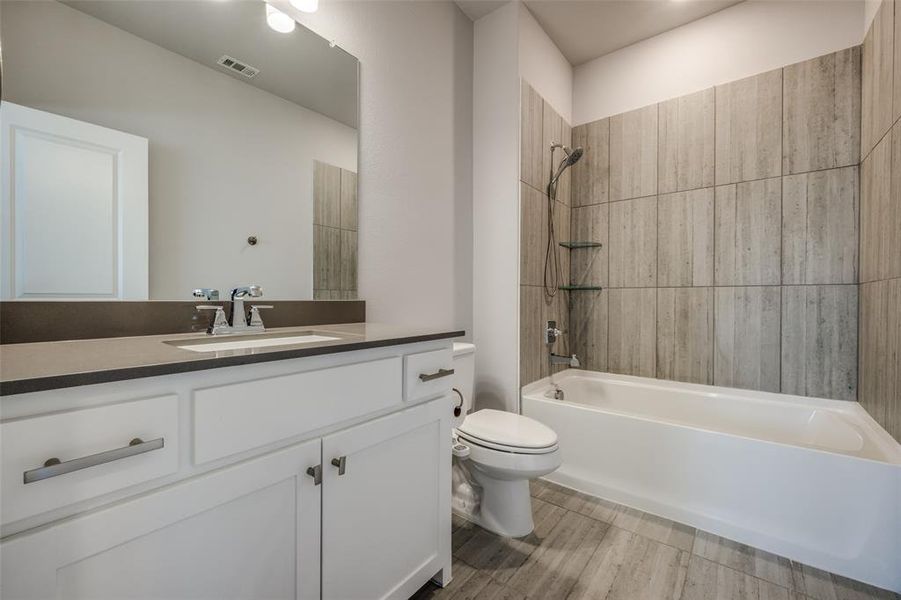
(551, 333)
(237, 322)
(238, 318)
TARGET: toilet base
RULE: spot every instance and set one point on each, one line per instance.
(506, 505)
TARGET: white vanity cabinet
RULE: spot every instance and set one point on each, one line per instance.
(246, 531)
(383, 518)
(352, 505)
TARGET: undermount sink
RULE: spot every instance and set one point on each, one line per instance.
(212, 344)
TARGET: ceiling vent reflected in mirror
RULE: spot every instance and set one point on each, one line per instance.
(233, 64)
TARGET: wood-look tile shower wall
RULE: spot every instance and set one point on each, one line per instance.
(729, 223)
(334, 232)
(540, 126)
(880, 220)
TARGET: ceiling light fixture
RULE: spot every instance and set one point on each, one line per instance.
(278, 20)
(307, 6)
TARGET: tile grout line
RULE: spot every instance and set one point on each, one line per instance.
(724, 184)
(782, 226)
(712, 296)
(657, 249)
(609, 222)
(588, 562)
(617, 510)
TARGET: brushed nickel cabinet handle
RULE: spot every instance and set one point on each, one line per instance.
(54, 467)
(437, 375)
(316, 474)
(341, 463)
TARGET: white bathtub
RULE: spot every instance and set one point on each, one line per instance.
(817, 481)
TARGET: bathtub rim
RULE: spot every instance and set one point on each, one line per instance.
(890, 448)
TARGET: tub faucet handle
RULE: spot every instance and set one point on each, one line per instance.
(551, 333)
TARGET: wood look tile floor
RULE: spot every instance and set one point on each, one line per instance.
(585, 548)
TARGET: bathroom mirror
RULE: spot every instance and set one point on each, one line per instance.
(153, 148)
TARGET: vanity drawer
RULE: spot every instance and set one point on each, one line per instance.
(241, 416)
(428, 374)
(101, 450)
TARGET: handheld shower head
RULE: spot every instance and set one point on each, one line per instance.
(572, 157)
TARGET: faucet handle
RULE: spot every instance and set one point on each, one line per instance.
(255, 319)
(551, 333)
(220, 321)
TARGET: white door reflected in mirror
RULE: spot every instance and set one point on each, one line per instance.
(74, 208)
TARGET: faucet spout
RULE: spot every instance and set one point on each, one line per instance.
(238, 316)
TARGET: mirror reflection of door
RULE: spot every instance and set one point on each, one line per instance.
(334, 232)
(74, 205)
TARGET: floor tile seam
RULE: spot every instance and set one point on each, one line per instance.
(790, 589)
(648, 538)
(792, 564)
(466, 562)
(589, 561)
(559, 505)
(613, 524)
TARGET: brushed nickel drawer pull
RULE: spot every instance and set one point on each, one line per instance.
(341, 463)
(438, 375)
(54, 467)
(316, 473)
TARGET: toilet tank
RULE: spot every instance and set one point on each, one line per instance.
(464, 375)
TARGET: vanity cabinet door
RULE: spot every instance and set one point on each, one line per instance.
(246, 531)
(386, 504)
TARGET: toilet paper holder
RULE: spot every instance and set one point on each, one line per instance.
(458, 409)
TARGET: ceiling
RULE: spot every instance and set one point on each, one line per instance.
(299, 66)
(586, 29)
(476, 9)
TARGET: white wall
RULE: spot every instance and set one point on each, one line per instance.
(227, 160)
(509, 45)
(415, 172)
(496, 207)
(869, 13)
(543, 65)
(743, 40)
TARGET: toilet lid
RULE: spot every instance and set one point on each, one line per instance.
(507, 429)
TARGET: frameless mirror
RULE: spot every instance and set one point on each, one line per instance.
(153, 148)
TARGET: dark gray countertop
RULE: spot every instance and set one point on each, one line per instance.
(53, 365)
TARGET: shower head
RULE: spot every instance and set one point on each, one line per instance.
(572, 157)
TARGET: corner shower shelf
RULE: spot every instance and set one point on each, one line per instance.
(574, 245)
(580, 288)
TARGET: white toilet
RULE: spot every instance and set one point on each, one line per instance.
(501, 451)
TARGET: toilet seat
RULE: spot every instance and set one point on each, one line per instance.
(507, 432)
(501, 448)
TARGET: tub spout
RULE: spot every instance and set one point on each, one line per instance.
(572, 361)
